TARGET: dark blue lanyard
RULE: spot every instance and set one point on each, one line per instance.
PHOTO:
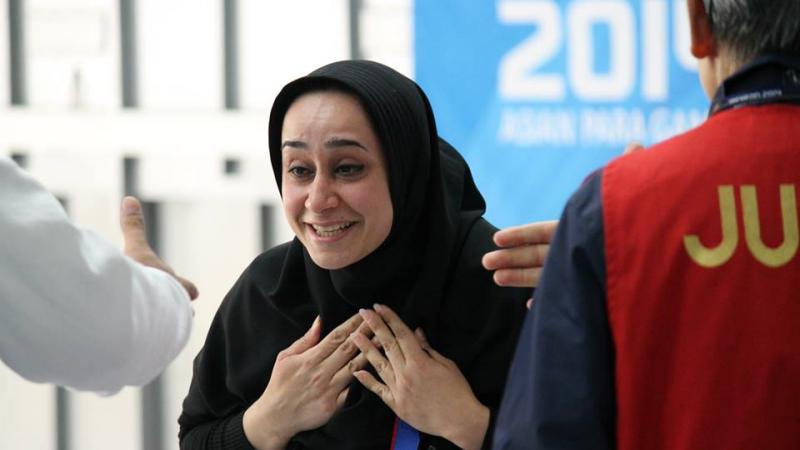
(770, 78)
(405, 437)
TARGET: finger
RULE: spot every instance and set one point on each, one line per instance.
(420, 335)
(191, 289)
(405, 338)
(336, 338)
(376, 359)
(341, 357)
(423, 340)
(385, 337)
(342, 398)
(305, 342)
(365, 330)
(357, 363)
(518, 277)
(131, 221)
(342, 378)
(529, 303)
(633, 147)
(525, 256)
(531, 233)
(378, 388)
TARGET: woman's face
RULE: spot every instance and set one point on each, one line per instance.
(335, 188)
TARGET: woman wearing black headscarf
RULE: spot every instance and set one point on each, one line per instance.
(385, 213)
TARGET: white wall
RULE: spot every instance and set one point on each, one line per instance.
(72, 52)
(180, 54)
(387, 33)
(281, 41)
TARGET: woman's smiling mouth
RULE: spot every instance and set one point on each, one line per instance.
(329, 231)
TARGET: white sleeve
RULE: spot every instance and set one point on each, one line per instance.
(75, 311)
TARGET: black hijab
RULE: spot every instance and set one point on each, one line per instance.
(428, 269)
(433, 197)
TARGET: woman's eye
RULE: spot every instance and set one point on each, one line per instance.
(349, 169)
(299, 171)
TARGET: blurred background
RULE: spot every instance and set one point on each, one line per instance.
(169, 99)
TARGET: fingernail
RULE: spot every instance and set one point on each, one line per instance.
(377, 306)
(130, 207)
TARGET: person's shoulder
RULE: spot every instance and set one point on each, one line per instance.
(270, 259)
(477, 309)
(478, 241)
(471, 277)
(671, 153)
(266, 270)
(260, 278)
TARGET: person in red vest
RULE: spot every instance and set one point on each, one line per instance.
(668, 313)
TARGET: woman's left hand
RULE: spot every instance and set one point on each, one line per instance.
(424, 388)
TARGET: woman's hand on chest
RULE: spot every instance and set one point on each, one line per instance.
(424, 388)
(308, 384)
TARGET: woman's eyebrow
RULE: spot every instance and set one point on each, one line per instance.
(294, 144)
(333, 143)
(343, 142)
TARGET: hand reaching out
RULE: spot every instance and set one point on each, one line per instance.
(524, 249)
(522, 255)
(131, 221)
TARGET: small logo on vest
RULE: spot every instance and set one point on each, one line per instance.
(770, 257)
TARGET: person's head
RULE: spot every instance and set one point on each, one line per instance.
(351, 146)
(335, 188)
(727, 34)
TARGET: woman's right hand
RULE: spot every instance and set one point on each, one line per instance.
(308, 384)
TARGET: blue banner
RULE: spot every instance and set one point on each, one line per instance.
(539, 93)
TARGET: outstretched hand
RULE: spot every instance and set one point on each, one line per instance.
(524, 248)
(424, 388)
(131, 221)
(523, 251)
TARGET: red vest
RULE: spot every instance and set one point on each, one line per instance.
(703, 279)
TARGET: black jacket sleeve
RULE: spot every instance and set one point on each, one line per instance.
(560, 393)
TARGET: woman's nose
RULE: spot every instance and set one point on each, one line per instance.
(321, 195)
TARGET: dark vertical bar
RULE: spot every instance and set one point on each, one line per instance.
(16, 59)
(20, 158)
(153, 414)
(355, 30)
(151, 211)
(63, 424)
(130, 176)
(127, 26)
(231, 53)
(152, 393)
(267, 235)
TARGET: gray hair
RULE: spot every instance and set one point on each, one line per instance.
(750, 27)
